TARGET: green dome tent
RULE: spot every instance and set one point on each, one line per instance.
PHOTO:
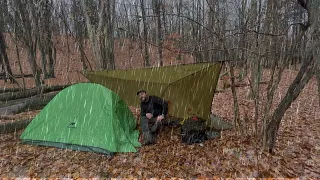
(85, 117)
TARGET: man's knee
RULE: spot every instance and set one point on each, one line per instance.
(143, 118)
(144, 123)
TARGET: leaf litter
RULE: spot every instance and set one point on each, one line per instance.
(297, 148)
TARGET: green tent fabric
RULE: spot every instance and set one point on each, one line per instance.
(85, 117)
(189, 88)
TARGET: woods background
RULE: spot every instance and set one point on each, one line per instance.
(252, 37)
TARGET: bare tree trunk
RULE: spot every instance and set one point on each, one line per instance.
(45, 40)
(51, 57)
(194, 33)
(110, 31)
(19, 61)
(243, 36)
(199, 32)
(101, 35)
(35, 69)
(51, 50)
(257, 72)
(180, 30)
(4, 57)
(211, 25)
(82, 53)
(145, 34)
(4, 62)
(28, 32)
(278, 60)
(94, 35)
(273, 84)
(43, 59)
(315, 21)
(237, 121)
(293, 92)
(79, 29)
(318, 79)
(306, 72)
(131, 33)
(270, 23)
(2, 67)
(163, 3)
(3, 71)
(157, 11)
(68, 52)
(253, 60)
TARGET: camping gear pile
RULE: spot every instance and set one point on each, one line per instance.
(193, 130)
(197, 130)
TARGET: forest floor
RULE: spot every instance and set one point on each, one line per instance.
(297, 151)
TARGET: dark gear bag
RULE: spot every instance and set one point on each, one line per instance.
(193, 130)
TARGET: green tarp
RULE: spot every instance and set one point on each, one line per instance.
(189, 88)
(86, 117)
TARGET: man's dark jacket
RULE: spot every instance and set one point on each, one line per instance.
(155, 105)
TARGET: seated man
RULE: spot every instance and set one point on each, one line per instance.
(153, 114)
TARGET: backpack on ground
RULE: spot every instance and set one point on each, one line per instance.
(193, 130)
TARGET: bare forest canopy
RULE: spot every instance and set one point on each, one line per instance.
(249, 35)
(206, 29)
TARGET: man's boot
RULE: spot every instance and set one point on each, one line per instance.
(148, 138)
(157, 126)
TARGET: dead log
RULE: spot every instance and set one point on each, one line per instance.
(11, 109)
(5, 90)
(17, 101)
(13, 126)
(27, 104)
(7, 117)
(29, 92)
(24, 100)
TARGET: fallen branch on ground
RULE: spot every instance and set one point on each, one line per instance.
(13, 126)
(7, 117)
(29, 92)
(5, 90)
(27, 103)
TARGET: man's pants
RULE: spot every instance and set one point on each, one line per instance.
(150, 127)
(151, 124)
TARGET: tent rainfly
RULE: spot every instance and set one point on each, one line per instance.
(85, 117)
(188, 88)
